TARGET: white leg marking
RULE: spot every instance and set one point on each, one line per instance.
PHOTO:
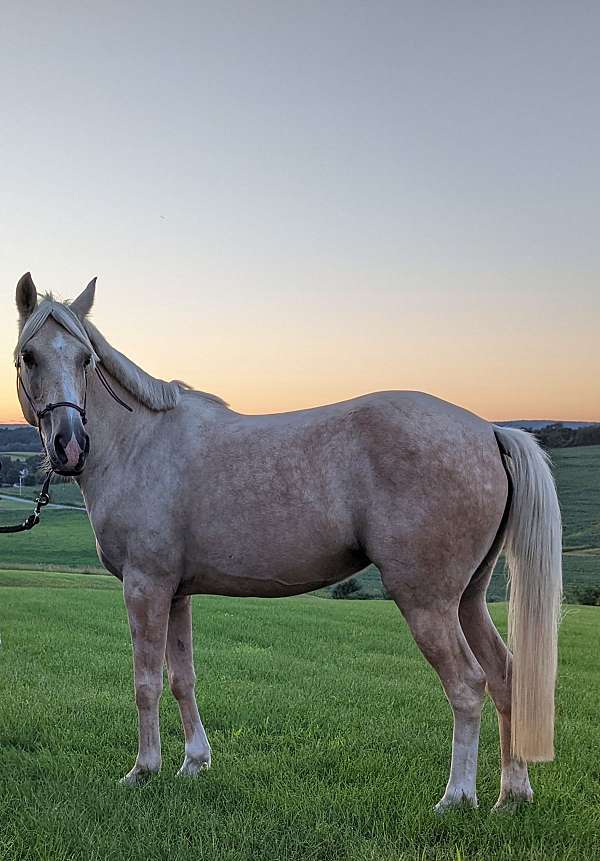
(463, 771)
(514, 785)
(197, 753)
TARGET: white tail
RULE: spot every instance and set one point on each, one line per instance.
(533, 550)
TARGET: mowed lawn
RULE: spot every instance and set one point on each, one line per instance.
(63, 539)
(63, 492)
(330, 733)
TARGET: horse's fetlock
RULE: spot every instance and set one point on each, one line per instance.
(153, 764)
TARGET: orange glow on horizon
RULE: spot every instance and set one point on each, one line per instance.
(518, 405)
(264, 351)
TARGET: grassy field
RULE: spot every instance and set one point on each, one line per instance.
(65, 539)
(330, 734)
(63, 492)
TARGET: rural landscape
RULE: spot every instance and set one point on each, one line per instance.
(254, 256)
(329, 730)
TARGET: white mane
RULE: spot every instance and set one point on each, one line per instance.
(153, 393)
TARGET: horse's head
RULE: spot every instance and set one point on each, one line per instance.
(52, 356)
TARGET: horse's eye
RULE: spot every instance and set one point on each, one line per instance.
(28, 360)
(86, 361)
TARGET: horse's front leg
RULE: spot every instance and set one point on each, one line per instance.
(148, 609)
(182, 679)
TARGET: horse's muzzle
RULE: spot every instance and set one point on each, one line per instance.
(68, 447)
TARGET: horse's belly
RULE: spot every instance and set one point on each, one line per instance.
(272, 578)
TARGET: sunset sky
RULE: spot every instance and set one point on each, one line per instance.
(294, 203)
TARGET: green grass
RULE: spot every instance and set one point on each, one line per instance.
(63, 492)
(62, 539)
(578, 482)
(330, 733)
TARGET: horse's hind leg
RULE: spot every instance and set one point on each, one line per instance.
(494, 657)
(438, 634)
(182, 680)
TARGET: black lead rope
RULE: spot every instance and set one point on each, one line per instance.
(34, 518)
(43, 499)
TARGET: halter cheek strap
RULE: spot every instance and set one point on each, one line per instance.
(39, 414)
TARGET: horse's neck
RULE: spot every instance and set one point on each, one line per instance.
(115, 434)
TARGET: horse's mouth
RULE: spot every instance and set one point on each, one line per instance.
(68, 471)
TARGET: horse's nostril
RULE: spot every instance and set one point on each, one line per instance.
(59, 448)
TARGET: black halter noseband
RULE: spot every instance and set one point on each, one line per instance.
(43, 499)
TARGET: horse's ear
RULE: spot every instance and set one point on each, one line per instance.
(26, 297)
(83, 304)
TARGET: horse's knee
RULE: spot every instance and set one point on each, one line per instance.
(182, 684)
(147, 692)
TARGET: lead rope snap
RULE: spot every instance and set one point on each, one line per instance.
(34, 518)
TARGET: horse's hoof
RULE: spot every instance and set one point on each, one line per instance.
(193, 767)
(137, 777)
(510, 802)
(456, 802)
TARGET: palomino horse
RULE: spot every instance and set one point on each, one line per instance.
(279, 505)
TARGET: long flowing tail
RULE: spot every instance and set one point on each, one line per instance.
(533, 550)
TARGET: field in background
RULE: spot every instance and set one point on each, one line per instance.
(330, 733)
(63, 492)
(64, 539)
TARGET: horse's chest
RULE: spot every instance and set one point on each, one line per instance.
(134, 536)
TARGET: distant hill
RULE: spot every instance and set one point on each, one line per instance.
(563, 436)
(15, 438)
(539, 424)
(559, 434)
(552, 434)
